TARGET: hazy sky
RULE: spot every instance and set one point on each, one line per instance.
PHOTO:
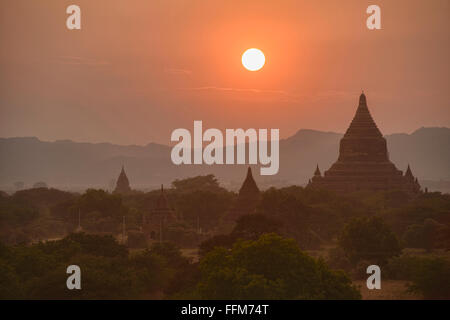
(139, 69)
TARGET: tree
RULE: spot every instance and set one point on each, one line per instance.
(205, 183)
(252, 226)
(100, 211)
(432, 278)
(424, 235)
(308, 215)
(38, 271)
(428, 275)
(40, 184)
(203, 207)
(270, 267)
(41, 196)
(170, 252)
(220, 240)
(10, 285)
(248, 227)
(107, 205)
(369, 239)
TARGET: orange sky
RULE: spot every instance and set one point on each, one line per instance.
(139, 69)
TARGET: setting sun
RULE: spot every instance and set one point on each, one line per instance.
(253, 59)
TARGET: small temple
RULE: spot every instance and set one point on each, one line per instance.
(122, 184)
(363, 162)
(248, 198)
(159, 218)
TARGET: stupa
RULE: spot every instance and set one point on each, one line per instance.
(122, 185)
(159, 218)
(363, 162)
(248, 198)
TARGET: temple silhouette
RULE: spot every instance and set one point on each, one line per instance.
(248, 198)
(122, 184)
(363, 162)
(159, 218)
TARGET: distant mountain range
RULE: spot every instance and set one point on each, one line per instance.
(72, 165)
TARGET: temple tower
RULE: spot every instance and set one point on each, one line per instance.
(159, 218)
(122, 185)
(248, 198)
(363, 162)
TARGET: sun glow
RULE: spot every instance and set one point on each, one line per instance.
(253, 59)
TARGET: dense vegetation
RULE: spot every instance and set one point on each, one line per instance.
(351, 231)
(108, 270)
(270, 267)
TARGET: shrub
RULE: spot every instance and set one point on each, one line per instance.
(270, 268)
(428, 275)
(369, 239)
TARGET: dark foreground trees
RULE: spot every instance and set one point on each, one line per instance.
(108, 271)
(270, 267)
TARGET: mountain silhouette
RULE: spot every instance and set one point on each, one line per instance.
(72, 165)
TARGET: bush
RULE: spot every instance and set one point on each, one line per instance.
(428, 275)
(369, 239)
(432, 278)
(423, 236)
(221, 240)
(270, 268)
(252, 226)
(107, 272)
(338, 260)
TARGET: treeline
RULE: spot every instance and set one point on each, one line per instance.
(41, 213)
(312, 217)
(351, 231)
(110, 271)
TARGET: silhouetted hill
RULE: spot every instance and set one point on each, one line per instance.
(67, 164)
(427, 149)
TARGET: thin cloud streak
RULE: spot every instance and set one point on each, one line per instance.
(73, 60)
(177, 71)
(287, 96)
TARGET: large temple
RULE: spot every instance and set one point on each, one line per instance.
(363, 162)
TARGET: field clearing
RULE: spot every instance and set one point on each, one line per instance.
(191, 253)
(390, 290)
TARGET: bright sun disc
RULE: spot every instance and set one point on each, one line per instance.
(253, 59)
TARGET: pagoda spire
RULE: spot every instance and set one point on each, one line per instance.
(249, 173)
(249, 185)
(248, 198)
(363, 124)
(317, 172)
(161, 203)
(122, 185)
(408, 172)
(362, 99)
